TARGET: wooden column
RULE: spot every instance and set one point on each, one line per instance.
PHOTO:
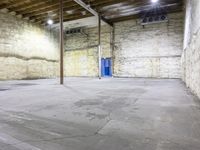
(112, 48)
(61, 44)
(99, 44)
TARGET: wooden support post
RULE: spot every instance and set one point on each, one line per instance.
(99, 44)
(61, 44)
(112, 48)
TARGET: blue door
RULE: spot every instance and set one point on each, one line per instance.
(106, 67)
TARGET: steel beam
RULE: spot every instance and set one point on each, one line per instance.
(92, 11)
(61, 44)
(99, 44)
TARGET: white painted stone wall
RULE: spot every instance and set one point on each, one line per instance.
(81, 54)
(191, 53)
(153, 51)
(30, 51)
(26, 50)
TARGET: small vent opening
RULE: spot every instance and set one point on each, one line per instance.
(156, 14)
(75, 31)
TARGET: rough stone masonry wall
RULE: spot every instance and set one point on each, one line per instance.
(26, 50)
(153, 51)
(191, 53)
(81, 53)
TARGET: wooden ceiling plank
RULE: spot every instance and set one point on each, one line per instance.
(68, 7)
(42, 14)
(52, 9)
(92, 11)
(9, 5)
(40, 10)
(54, 15)
(136, 10)
(136, 16)
(31, 4)
(44, 6)
(71, 17)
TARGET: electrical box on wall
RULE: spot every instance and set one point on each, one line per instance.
(154, 19)
(156, 14)
(106, 67)
(75, 31)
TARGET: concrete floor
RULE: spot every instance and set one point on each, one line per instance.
(89, 114)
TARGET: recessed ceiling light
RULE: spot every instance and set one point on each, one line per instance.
(154, 1)
(50, 22)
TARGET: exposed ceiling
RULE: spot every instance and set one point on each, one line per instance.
(84, 22)
(39, 11)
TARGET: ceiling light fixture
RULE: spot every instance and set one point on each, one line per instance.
(50, 22)
(154, 1)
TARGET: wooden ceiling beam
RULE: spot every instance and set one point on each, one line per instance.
(6, 1)
(100, 5)
(136, 16)
(44, 6)
(74, 9)
(69, 7)
(69, 18)
(106, 3)
(46, 10)
(137, 10)
(41, 10)
(32, 4)
(75, 18)
(134, 9)
(133, 3)
(92, 11)
(45, 18)
(54, 15)
(9, 5)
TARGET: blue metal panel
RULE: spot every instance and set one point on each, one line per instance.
(106, 67)
(107, 62)
(110, 64)
(102, 67)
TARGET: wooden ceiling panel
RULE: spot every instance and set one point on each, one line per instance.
(112, 10)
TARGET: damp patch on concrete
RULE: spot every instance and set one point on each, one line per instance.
(3, 89)
(24, 84)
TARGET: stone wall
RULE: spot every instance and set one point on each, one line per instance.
(26, 50)
(191, 53)
(81, 53)
(152, 51)
(30, 51)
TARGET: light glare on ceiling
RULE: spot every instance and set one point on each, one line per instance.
(50, 22)
(154, 1)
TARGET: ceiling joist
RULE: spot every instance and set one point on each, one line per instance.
(39, 11)
(92, 11)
